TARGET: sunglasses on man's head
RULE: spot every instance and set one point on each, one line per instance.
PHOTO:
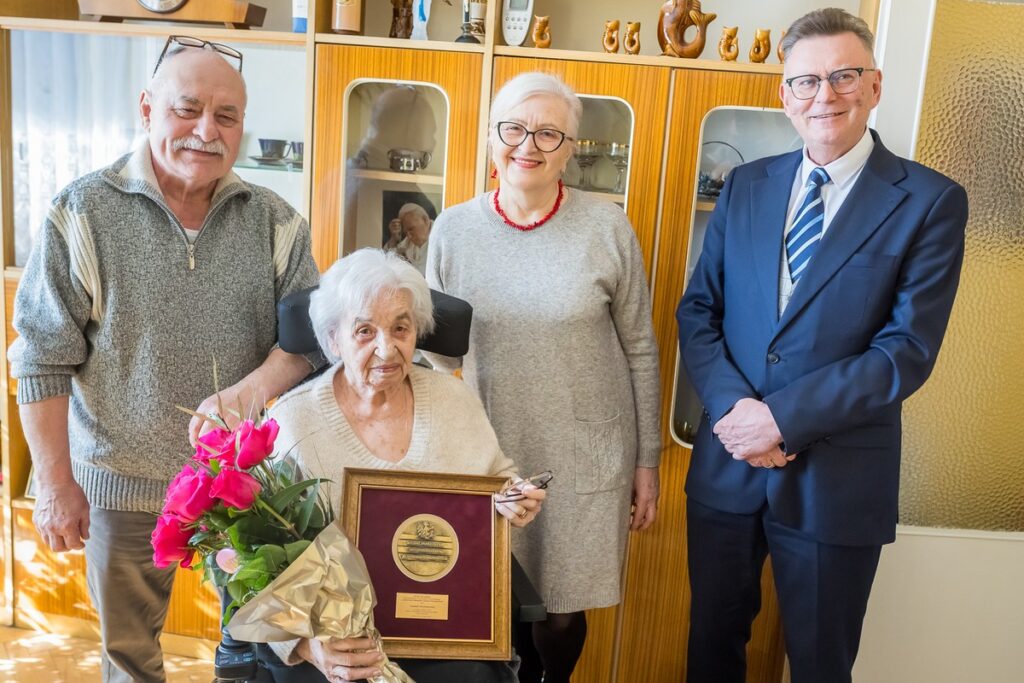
(182, 42)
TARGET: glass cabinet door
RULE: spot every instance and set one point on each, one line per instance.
(601, 161)
(730, 136)
(395, 140)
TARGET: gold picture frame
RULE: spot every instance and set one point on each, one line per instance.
(440, 561)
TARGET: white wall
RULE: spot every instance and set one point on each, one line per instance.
(947, 607)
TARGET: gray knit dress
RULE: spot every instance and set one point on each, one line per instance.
(563, 356)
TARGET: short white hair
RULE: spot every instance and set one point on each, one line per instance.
(413, 207)
(353, 282)
(527, 85)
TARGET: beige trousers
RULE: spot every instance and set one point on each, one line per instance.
(129, 593)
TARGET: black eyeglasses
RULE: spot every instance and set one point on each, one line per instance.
(842, 82)
(189, 41)
(545, 139)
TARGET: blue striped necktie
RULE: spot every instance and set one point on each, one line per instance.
(803, 238)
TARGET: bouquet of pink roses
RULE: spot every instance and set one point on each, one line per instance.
(237, 514)
(266, 536)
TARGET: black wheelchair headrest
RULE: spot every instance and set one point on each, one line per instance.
(450, 337)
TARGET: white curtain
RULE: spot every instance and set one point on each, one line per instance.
(75, 109)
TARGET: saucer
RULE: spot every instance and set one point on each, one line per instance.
(271, 161)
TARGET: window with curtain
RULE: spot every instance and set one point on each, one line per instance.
(74, 103)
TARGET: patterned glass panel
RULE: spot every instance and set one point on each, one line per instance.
(962, 439)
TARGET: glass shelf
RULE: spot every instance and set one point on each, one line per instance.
(285, 166)
(397, 177)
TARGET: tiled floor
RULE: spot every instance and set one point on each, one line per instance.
(33, 657)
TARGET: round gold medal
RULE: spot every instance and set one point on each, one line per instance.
(425, 547)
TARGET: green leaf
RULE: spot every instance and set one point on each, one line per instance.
(280, 500)
(251, 571)
(253, 530)
(274, 556)
(306, 509)
(237, 590)
(317, 518)
(293, 550)
(218, 520)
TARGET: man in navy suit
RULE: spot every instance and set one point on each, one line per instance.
(818, 305)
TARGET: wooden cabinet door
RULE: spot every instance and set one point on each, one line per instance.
(339, 69)
(655, 611)
(645, 90)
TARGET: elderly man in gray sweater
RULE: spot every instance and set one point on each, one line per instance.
(143, 275)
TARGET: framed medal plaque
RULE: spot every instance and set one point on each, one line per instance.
(231, 13)
(438, 555)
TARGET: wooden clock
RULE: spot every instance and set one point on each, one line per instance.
(231, 13)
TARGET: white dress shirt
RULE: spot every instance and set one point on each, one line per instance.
(843, 173)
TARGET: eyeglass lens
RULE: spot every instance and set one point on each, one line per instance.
(842, 82)
(546, 139)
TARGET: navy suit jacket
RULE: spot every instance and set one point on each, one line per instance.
(860, 334)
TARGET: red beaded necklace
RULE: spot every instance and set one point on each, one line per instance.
(536, 224)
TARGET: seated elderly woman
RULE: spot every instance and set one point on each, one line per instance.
(374, 408)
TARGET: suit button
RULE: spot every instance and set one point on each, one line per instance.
(773, 358)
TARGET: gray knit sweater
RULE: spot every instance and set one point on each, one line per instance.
(118, 310)
(563, 356)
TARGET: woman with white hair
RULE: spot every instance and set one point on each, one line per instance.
(374, 409)
(562, 353)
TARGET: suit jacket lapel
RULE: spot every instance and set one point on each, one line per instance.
(872, 199)
(769, 206)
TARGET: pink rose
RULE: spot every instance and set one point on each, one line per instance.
(188, 495)
(255, 443)
(222, 443)
(170, 542)
(237, 489)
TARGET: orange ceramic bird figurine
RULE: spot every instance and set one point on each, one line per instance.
(762, 46)
(611, 35)
(631, 43)
(728, 48)
(674, 17)
(541, 32)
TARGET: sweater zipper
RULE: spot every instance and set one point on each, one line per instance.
(190, 247)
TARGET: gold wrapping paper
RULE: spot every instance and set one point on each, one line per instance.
(325, 593)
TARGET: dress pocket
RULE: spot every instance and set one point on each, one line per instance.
(600, 456)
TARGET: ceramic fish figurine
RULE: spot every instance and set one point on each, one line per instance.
(778, 50)
(762, 46)
(611, 35)
(728, 46)
(631, 42)
(541, 32)
(674, 17)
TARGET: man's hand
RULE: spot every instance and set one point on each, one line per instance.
(749, 433)
(645, 498)
(61, 516)
(236, 398)
(342, 660)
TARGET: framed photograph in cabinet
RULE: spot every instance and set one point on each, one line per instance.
(439, 558)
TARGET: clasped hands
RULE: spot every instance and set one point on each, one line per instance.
(749, 433)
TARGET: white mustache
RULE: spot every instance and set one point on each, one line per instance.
(213, 147)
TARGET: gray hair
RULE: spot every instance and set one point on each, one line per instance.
(830, 21)
(526, 85)
(413, 207)
(354, 281)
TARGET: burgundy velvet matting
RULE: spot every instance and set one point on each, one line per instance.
(468, 585)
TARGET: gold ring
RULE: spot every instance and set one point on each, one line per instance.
(522, 515)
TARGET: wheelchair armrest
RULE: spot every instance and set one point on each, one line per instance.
(527, 604)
